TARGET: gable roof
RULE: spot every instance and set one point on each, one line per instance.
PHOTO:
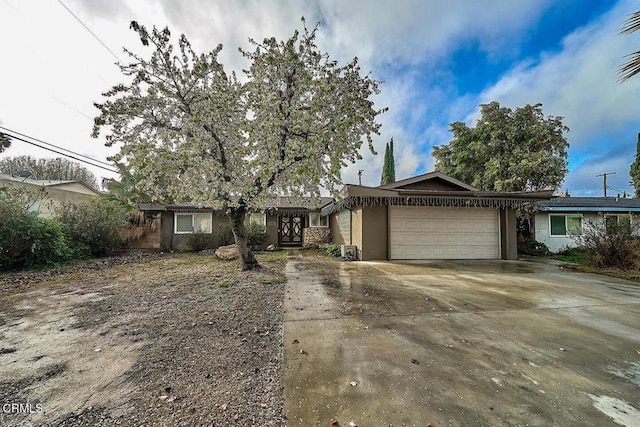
(430, 176)
(46, 182)
(589, 204)
(454, 194)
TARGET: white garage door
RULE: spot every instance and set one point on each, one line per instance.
(419, 232)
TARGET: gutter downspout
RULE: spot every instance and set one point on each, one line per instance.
(350, 226)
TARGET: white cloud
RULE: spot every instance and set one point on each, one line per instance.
(58, 70)
(579, 83)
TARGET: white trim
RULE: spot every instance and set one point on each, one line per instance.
(320, 217)
(551, 235)
(193, 215)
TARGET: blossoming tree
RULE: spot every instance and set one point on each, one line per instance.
(199, 134)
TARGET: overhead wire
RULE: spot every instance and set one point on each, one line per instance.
(77, 157)
(89, 30)
(56, 146)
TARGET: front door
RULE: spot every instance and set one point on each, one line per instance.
(290, 231)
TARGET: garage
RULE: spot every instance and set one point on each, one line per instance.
(419, 232)
(429, 216)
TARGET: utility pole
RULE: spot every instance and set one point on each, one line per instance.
(360, 176)
(604, 178)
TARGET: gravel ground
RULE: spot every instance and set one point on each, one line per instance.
(144, 340)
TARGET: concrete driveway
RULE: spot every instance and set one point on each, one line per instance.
(458, 343)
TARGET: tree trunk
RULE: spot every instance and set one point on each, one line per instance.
(247, 260)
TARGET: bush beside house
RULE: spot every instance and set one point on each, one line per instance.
(28, 240)
(610, 245)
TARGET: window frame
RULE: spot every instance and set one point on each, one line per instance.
(320, 217)
(566, 228)
(618, 215)
(193, 222)
(250, 218)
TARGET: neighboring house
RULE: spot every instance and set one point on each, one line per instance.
(287, 224)
(431, 216)
(49, 194)
(560, 220)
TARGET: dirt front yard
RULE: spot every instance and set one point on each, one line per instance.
(163, 340)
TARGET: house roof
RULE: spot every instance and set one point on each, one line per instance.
(454, 193)
(45, 182)
(589, 204)
(282, 202)
(427, 177)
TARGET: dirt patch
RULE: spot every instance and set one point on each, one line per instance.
(159, 341)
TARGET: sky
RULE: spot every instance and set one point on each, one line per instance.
(438, 60)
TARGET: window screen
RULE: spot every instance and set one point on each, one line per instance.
(258, 218)
(315, 220)
(202, 223)
(574, 224)
(184, 223)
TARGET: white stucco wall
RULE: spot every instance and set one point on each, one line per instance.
(557, 243)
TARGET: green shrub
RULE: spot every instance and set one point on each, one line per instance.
(26, 240)
(50, 244)
(532, 247)
(224, 234)
(334, 251)
(94, 228)
(197, 242)
(16, 239)
(256, 235)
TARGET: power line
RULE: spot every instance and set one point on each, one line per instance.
(63, 154)
(604, 177)
(55, 146)
(72, 108)
(88, 29)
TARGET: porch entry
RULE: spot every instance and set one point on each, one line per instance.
(290, 230)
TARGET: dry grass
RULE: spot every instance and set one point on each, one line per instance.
(203, 338)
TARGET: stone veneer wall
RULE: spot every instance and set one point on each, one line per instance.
(315, 236)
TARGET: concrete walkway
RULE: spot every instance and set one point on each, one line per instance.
(459, 344)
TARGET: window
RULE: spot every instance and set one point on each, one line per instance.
(565, 225)
(259, 218)
(616, 223)
(317, 220)
(191, 222)
(344, 221)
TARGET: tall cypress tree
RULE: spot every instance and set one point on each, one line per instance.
(392, 163)
(634, 171)
(388, 166)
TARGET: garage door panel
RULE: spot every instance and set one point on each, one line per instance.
(418, 232)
